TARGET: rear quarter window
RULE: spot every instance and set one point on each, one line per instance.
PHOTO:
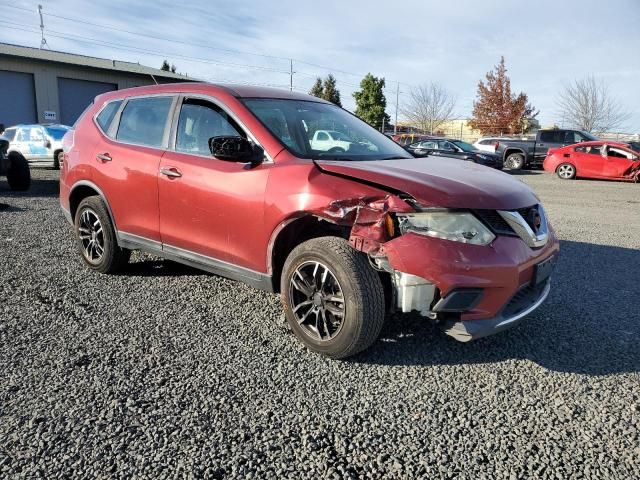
(9, 134)
(105, 117)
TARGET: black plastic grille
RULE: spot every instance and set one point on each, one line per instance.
(523, 299)
(495, 222)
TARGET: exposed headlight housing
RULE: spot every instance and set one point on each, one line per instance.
(456, 226)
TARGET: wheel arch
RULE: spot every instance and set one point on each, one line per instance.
(511, 150)
(82, 190)
(292, 232)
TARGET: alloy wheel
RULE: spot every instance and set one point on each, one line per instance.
(317, 300)
(565, 171)
(91, 236)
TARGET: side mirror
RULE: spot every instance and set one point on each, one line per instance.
(236, 149)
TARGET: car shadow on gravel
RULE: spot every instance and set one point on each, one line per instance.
(159, 268)
(588, 325)
(525, 172)
(38, 188)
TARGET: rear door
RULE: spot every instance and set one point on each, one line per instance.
(126, 161)
(211, 210)
(548, 139)
(22, 142)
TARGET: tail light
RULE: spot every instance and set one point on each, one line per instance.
(497, 145)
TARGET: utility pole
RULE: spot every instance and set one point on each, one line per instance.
(382, 130)
(43, 41)
(291, 74)
(395, 124)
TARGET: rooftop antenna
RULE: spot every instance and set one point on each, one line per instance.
(43, 41)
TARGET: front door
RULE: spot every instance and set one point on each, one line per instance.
(589, 160)
(618, 162)
(209, 207)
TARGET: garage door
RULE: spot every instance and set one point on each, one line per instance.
(17, 98)
(75, 95)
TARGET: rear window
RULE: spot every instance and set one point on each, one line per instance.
(10, 134)
(143, 121)
(105, 117)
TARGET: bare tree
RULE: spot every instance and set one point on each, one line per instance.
(429, 106)
(587, 104)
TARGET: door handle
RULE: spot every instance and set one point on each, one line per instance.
(170, 172)
(104, 157)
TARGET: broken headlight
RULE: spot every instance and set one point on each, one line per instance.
(450, 225)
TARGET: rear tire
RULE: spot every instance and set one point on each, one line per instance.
(18, 175)
(514, 161)
(58, 158)
(566, 171)
(96, 237)
(333, 299)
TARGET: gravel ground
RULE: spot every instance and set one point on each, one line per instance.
(164, 371)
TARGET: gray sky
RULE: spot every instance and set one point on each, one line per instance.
(546, 44)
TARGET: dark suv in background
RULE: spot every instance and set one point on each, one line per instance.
(452, 148)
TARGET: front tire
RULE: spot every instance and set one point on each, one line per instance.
(96, 237)
(18, 175)
(333, 299)
(566, 171)
(515, 161)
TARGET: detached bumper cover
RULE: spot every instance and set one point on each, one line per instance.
(524, 302)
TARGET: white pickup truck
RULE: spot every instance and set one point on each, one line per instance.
(325, 140)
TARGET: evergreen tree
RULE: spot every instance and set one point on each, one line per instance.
(371, 102)
(317, 90)
(165, 66)
(329, 91)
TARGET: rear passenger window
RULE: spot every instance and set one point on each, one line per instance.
(10, 134)
(552, 136)
(143, 121)
(105, 117)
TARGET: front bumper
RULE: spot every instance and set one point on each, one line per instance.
(491, 285)
(522, 304)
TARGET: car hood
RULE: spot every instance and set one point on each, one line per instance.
(442, 182)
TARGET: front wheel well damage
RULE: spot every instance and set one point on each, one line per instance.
(294, 233)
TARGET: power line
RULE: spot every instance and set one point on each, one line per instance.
(95, 41)
(200, 45)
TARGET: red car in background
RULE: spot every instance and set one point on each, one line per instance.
(600, 159)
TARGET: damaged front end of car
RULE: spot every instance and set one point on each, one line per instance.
(374, 221)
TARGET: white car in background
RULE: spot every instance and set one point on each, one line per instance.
(41, 145)
(488, 144)
(325, 140)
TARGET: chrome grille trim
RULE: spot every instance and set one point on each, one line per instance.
(522, 228)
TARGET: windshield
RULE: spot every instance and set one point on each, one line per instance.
(322, 131)
(588, 136)
(56, 132)
(466, 147)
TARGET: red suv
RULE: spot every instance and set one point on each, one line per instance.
(233, 180)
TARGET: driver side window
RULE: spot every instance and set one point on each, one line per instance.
(198, 122)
